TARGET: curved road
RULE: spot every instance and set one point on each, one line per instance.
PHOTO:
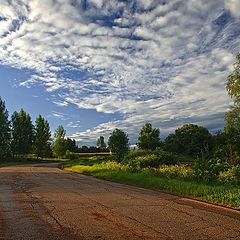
(44, 202)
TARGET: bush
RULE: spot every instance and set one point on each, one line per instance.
(181, 170)
(70, 155)
(132, 155)
(232, 175)
(138, 160)
(209, 169)
(167, 158)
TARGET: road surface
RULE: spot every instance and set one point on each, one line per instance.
(44, 202)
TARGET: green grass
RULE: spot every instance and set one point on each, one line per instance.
(226, 195)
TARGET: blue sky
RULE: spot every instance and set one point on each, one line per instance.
(96, 65)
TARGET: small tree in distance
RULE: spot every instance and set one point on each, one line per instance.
(101, 143)
(148, 137)
(59, 145)
(118, 143)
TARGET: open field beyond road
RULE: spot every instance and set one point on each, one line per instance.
(44, 202)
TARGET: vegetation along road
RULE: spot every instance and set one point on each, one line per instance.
(44, 202)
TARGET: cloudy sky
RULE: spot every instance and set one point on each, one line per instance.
(96, 65)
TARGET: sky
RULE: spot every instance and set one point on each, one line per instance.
(96, 65)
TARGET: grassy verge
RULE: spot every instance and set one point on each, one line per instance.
(226, 195)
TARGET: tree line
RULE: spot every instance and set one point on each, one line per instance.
(20, 136)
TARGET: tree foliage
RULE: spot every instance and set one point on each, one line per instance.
(232, 118)
(71, 145)
(233, 81)
(189, 139)
(22, 132)
(101, 143)
(4, 131)
(118, 143)
(149, 137)
(59, 145)
(42, 136)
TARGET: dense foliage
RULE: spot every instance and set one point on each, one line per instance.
(189, 139)
(42, 136)
(118, 144)
(148, 137)
(101, 143)
(4, 132)
(22, 132)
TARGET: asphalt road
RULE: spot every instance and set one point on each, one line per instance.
(44, 202)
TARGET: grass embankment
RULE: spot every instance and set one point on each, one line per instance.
(222, 194)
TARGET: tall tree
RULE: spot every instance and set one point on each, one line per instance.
(22, 132)
(101, 143)
(42, 136)
(232, 118)
(189, 139)
(59, 145)
(4, 131)
(148, 137)
(118, 143)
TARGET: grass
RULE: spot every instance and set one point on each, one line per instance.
(222, 194)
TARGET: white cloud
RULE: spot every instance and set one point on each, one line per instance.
(233, 6)
(163, 61)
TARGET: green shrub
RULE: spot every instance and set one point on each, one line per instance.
(209, 169)
(132, 155)
(167, 158)
(181, 170)
(232, 175)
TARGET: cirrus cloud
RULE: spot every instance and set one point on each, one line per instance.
(160, 61)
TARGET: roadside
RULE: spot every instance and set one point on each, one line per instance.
(220, 194)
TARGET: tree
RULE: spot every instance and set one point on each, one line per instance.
(148, 137)
(4, 131)
(189, 139)
(232, 118)
(118, 143)
(100, 143)
(59, 145)
(71, 145)
(60, 132)
(42, 136)
(22, 132)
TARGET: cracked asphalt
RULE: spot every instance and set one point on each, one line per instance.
(44, 202)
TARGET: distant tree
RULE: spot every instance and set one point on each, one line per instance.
(59, 145)
(4, 131)
(22, 132)
(118, 143)
(101, 143)
(42, 136)
(232, 118)
(148, 137)
(84, 149)
(71, 145)
(189, 139)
